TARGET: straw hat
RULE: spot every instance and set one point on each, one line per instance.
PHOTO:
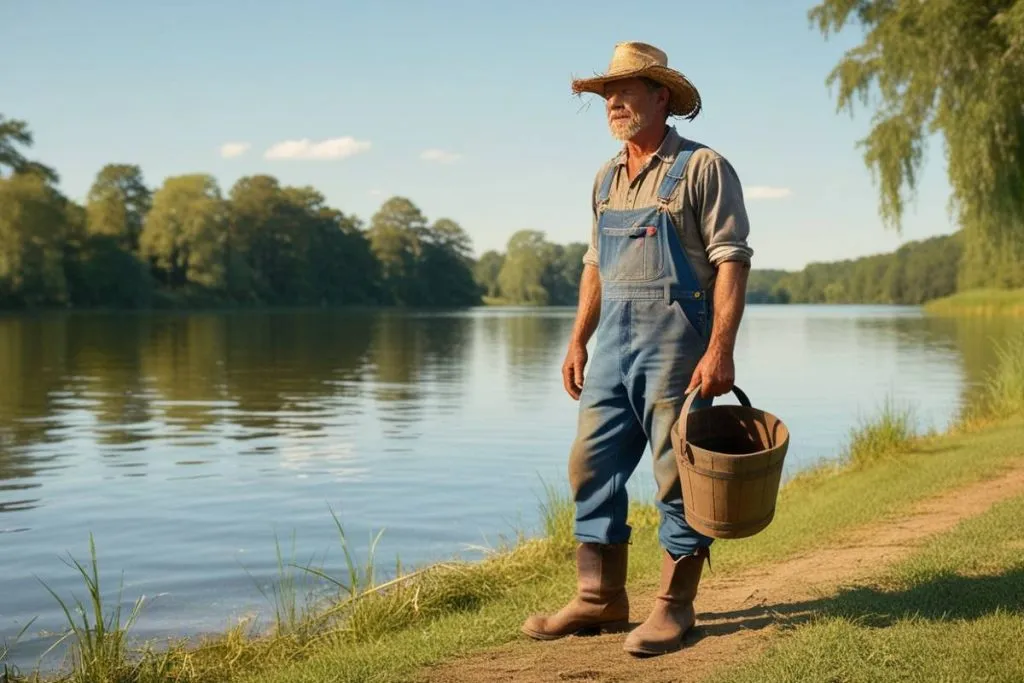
(640, 60)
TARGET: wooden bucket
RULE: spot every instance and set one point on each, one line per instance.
(730, 463)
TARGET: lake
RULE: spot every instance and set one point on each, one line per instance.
(187, 442)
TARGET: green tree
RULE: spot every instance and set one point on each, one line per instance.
(954, 68)
(100, 272)
(396, 238)
(333, 257)
(118, 202)
(486, 271)
(565, 270)
(761, 284)
(268, 230)
(15, 133)
(183, 235)
(527, 261)
(33, 232)
(446, 271)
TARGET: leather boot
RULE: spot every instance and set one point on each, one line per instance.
(673, 614)
(600, 603)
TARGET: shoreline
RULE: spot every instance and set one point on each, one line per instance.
(381, 614)
(979, 303)
(968, 302)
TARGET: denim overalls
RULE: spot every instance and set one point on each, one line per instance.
(653, 329)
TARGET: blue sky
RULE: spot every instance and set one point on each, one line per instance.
(464, 107)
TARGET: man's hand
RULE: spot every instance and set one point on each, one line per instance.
(715, 373)
(572, 369)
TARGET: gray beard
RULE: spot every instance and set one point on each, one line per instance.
(626, 131)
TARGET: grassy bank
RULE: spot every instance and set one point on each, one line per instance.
(366, 631)
(954, 611)
(980, 302)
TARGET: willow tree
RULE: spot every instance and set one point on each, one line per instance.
(952, 68)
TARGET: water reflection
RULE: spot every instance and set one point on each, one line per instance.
(190, 385)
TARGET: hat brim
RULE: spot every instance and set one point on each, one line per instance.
(684, 98)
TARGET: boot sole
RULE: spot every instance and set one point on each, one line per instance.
(592, 630)
(640, 651)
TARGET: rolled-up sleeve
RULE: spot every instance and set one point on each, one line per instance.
(722, 213)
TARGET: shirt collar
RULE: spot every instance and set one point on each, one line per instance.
(666, 152)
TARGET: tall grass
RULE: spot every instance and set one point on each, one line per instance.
(97, 649)
(887, 433)
(1002, 394)
(8, 673)
(291, 610)
(979, 302)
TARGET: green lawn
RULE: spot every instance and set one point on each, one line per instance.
(953, 611)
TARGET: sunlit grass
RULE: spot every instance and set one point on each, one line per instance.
(953, 611)
(97, 648)
(888, 433)
(980, 302)
(1002, 394)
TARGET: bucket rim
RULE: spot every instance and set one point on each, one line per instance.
(678, 432)
(763, 451)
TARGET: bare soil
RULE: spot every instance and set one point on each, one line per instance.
(736, 615)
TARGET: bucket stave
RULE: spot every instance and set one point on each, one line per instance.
(730, 462)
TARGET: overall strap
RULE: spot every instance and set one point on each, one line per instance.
(677, 171)
(606, 185)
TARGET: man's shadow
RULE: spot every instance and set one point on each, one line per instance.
(948, 596)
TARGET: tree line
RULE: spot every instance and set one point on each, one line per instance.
(916, 272)
(188, 243)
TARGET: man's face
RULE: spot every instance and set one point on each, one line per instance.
(631, 106)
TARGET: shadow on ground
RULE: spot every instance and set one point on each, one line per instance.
(947, 596)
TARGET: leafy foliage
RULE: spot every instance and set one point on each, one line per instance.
(954, 69)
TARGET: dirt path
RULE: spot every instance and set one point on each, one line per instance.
(738, 614)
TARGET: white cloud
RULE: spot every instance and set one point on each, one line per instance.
(230, 150)
(440, 156)
(332, 148)
(763, 192)
(376, 193)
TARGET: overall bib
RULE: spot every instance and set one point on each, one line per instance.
(653, 330)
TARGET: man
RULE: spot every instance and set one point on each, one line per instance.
(663, 290)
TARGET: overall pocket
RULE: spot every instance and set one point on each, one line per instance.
(693, 315)
(633, 254)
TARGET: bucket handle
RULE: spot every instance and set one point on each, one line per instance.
(688, 404)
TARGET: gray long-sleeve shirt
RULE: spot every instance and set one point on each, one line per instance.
(708, 209)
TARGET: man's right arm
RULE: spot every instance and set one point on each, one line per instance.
(588, 310)
(588, 313)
